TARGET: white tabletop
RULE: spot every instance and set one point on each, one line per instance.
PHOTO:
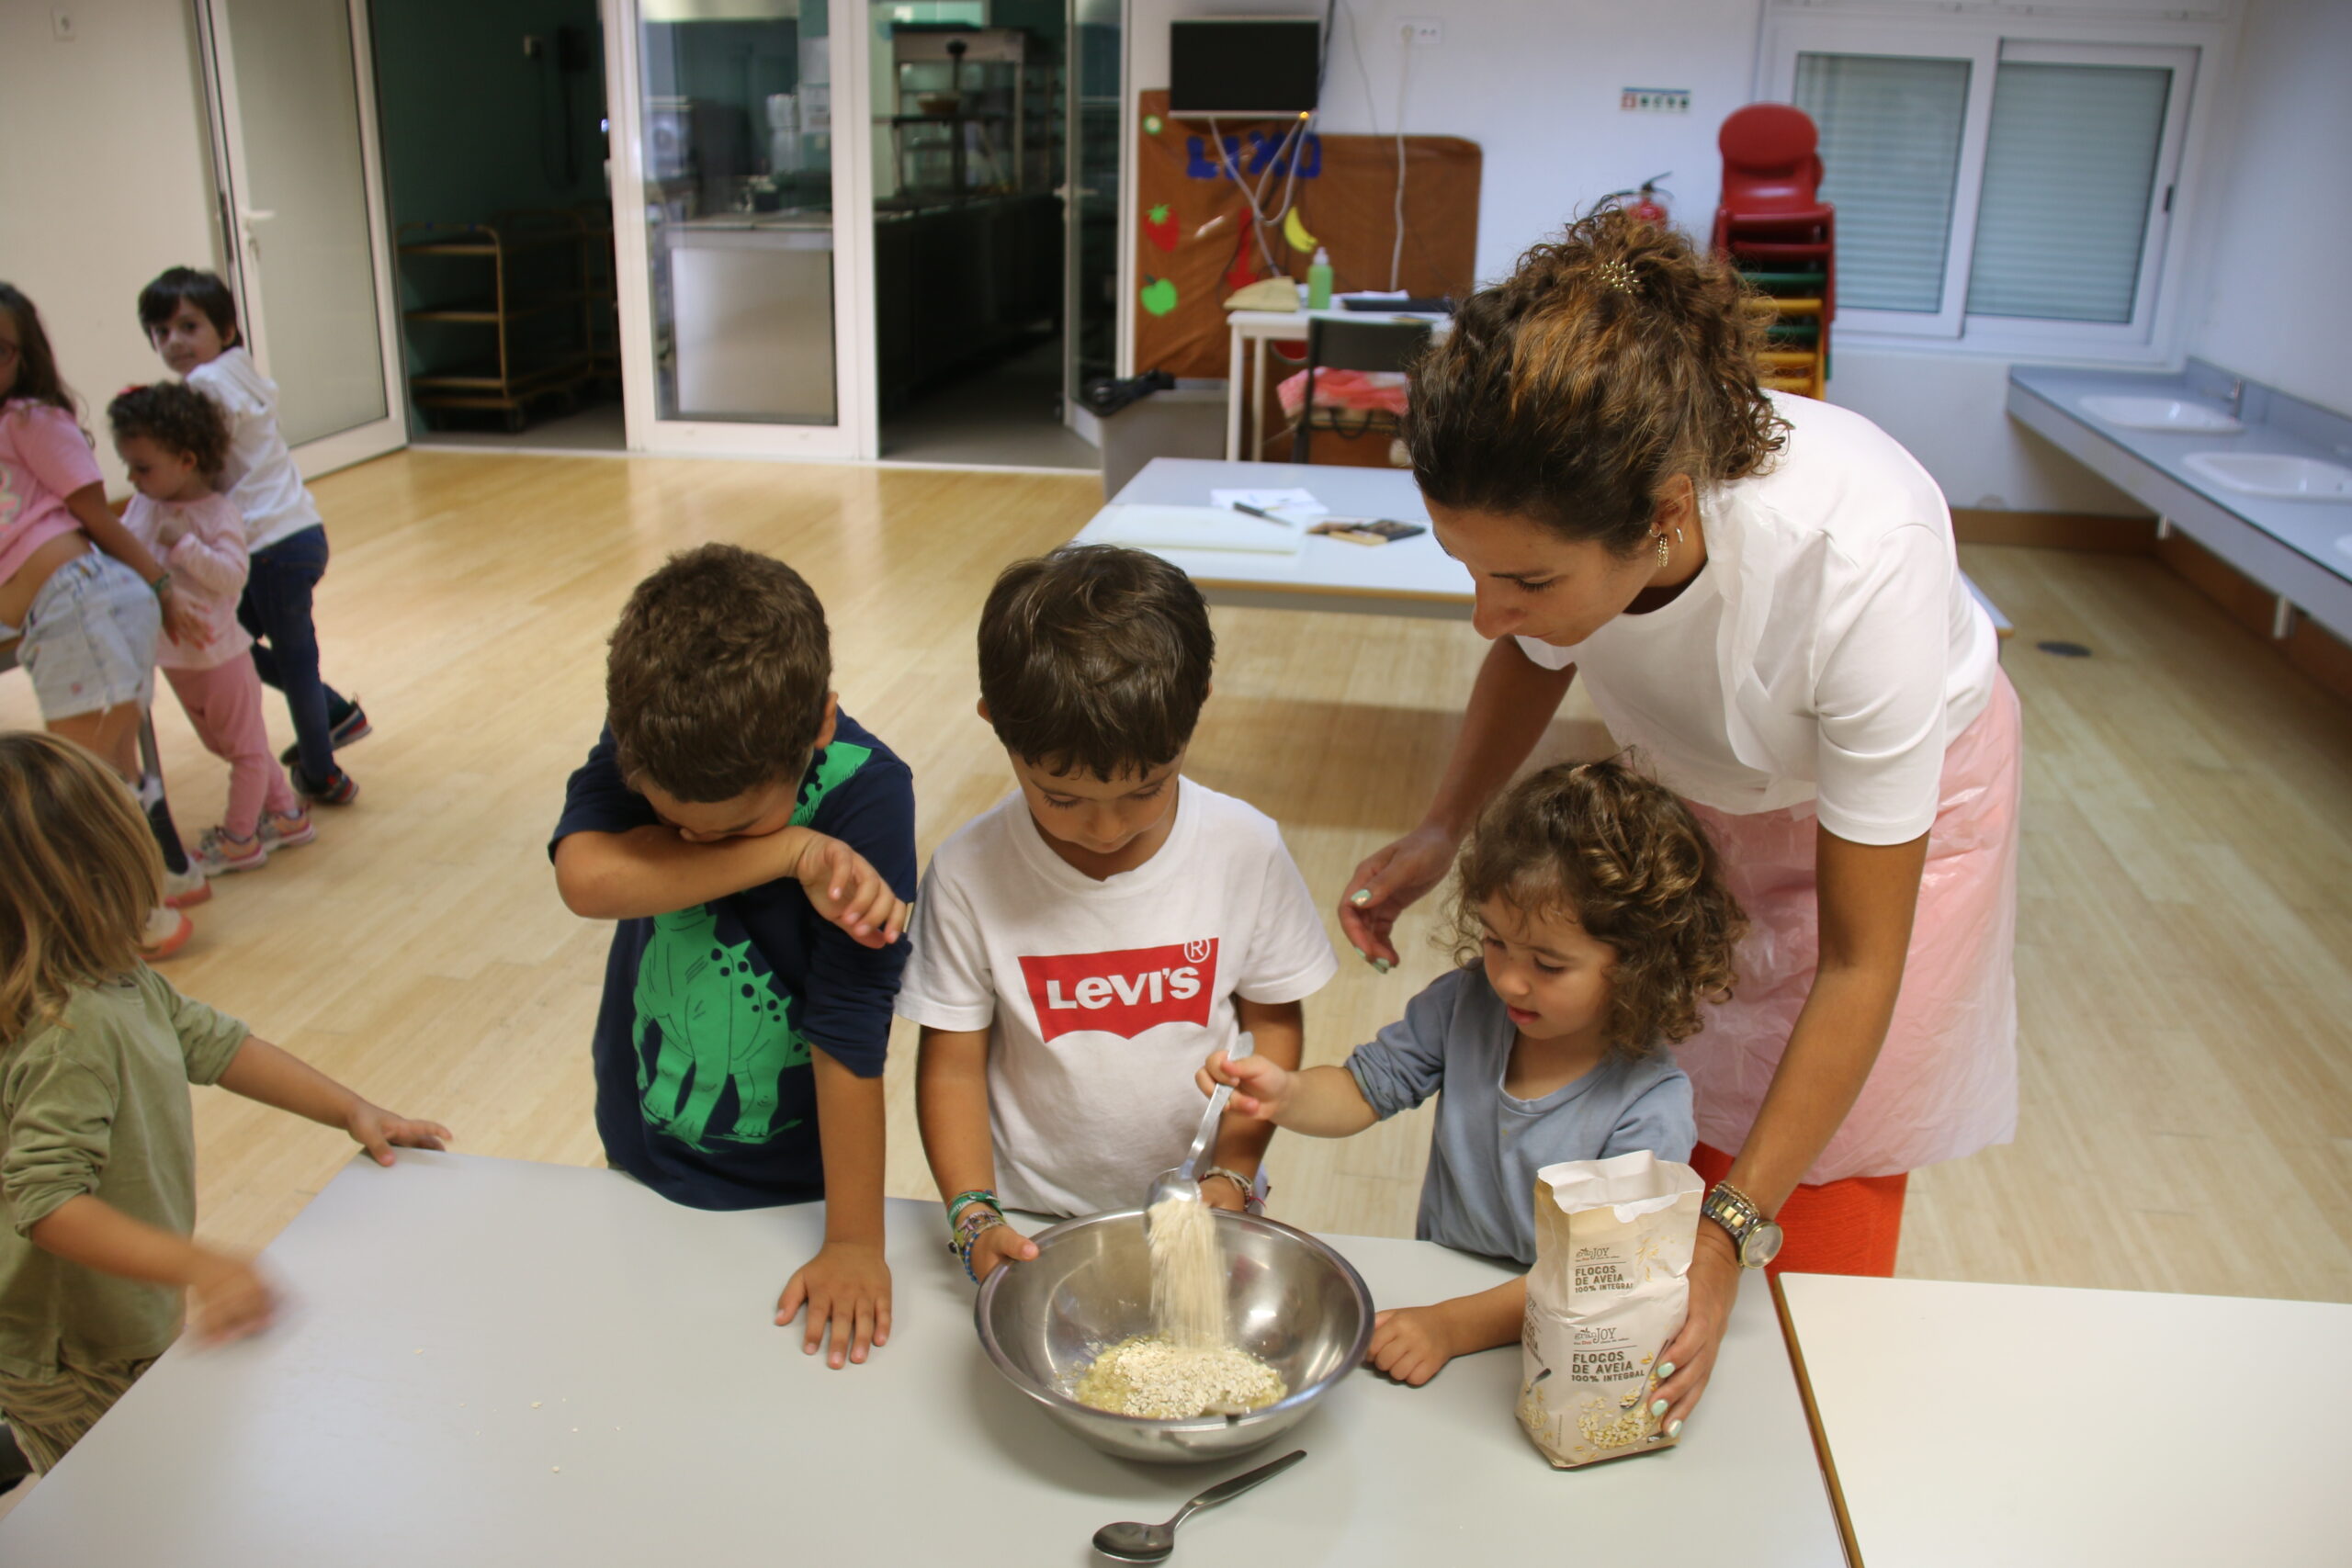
(498, 1363)
(1971, 1425)
(1412, 577)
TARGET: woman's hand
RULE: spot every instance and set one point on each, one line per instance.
(1260, 1086)
(1389, 880)
(1690, 1354)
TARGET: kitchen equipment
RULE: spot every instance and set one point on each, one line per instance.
(1181, 1183)
(1291, 1301)
(1128, 1541)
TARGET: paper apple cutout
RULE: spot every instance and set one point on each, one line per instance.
(1160, 228)
(1159, 296)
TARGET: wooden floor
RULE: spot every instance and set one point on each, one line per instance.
(2185, 959)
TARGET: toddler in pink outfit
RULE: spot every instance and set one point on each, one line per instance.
(173, 440)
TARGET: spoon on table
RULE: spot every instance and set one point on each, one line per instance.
(1131, 1542)
(1182, 1182)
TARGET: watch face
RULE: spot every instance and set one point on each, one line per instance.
(1762, 1246)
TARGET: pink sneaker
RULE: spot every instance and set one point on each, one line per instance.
(218, 851)
(287, 832)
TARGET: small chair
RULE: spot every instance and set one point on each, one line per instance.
(1334, 344)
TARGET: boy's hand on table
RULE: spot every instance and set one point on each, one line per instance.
(1260, 1086)
(848, 891)
(228, 1299)
(1410, 1343)
(847, 1286)
(378, 1131)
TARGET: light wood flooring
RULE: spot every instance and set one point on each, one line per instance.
(2186, 937)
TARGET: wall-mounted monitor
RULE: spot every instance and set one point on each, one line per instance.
(1244, 68)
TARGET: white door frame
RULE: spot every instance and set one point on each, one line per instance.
(857, 434)
(216, 51)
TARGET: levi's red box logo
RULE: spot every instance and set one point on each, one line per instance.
(1121, 993)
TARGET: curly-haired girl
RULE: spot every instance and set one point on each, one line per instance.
(173, 440)
(1590, 921)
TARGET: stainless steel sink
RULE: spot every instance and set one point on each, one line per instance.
(2273, 475)
(2163, 413)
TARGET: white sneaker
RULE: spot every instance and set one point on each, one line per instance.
(167, 932)
(184, 889)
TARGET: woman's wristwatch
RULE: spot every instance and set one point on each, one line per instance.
(1754, 1238)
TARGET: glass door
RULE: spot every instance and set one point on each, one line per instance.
(1090, 199)
(294, 137)
(745, 289)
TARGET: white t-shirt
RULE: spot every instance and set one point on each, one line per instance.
(260, 472)
(1828, 651)
(1103, 998)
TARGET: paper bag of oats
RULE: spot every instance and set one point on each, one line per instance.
(1612, 1249)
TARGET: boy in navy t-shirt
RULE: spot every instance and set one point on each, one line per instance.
(756, 847)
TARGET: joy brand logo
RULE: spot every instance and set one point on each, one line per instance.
(1121, 993)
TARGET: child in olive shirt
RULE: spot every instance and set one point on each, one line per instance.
(97, 1052)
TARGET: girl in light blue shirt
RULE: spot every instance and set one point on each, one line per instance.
(1590, 921)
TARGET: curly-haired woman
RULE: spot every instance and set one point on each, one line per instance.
(1590, 921)
(1762, 592)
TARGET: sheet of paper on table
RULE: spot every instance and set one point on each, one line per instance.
(1154, 527)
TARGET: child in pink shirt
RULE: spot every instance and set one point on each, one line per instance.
(173, 439)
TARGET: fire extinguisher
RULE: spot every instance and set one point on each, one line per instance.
(1649, 202)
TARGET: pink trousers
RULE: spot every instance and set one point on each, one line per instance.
(1945, 1081)
(225, 704)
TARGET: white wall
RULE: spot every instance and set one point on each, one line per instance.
(104, 180)
(1535, 84)
(2278, 298)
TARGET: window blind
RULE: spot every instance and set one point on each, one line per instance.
(2070, 167)
(1891, 131)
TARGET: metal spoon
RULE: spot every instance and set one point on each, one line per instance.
(1181, 1183)
(1130, 1542)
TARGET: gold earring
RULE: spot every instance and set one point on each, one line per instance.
(1661, 547)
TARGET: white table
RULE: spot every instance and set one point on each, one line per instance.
(390, 1418)
(1973, 1424)
(1254, 330)
(1413, 577)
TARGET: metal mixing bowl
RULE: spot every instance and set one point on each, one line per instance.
(1290, 1300)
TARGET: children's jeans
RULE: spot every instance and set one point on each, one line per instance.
(277, 609)
(225, 704)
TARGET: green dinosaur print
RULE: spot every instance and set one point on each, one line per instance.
(721, 1021)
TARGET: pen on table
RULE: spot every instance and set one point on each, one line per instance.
(1259, 512)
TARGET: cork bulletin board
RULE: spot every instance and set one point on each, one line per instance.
(1195, 243)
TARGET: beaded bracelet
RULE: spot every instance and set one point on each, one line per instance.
(968, 1233)
(962, 1200)
(161, 585)
(1250, 1199)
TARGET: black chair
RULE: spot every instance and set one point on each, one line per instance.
(1333, 344)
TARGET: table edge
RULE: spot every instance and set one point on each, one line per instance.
(1824, 1459)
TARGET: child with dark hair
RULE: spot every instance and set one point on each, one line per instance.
(1076, 946)
(173, 439)
(754, 845)
(1591, 920)
(191, 318)
(80, 599)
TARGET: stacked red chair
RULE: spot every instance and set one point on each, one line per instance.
(1775, 227)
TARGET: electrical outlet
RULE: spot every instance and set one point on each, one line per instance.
(62, 27)
(1654, 100)
(1422, 33)
(532, 45)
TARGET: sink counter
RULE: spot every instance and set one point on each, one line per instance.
(2294, 548)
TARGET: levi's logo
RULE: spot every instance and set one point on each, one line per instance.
(1121, 993)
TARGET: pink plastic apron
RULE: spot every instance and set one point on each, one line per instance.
(1946, 1082)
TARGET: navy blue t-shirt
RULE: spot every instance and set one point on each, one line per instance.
(704, 1090)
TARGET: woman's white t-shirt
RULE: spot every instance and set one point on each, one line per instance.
(1828, 651)
(1103, 998)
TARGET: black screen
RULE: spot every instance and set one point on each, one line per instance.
(1243, 67)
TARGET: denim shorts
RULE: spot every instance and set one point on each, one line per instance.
(89, 638)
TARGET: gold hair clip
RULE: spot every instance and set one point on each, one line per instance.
(1618, 275)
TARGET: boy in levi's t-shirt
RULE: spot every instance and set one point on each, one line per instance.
(1079, 946)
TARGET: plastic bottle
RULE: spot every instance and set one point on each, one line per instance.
(1319, 281)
